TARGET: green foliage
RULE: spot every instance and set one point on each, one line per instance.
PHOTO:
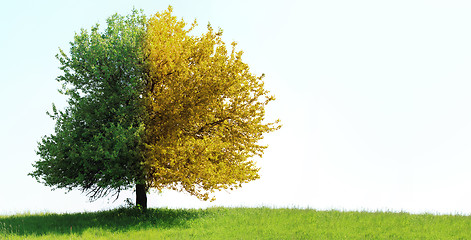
(234, 223)
(95, 147)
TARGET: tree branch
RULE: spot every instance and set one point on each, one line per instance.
(209, 125)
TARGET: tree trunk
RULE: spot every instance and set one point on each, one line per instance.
(141, 197)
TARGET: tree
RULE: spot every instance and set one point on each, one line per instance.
(152, 106)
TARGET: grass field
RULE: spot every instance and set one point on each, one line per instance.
(234, 223)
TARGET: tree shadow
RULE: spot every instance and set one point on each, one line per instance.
(121, 220)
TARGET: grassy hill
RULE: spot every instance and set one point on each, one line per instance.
(234, 223)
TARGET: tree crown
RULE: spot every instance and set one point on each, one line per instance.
(150, 103)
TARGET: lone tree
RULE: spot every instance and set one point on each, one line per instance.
(152, 106)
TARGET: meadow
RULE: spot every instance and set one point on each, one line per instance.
(234, 223)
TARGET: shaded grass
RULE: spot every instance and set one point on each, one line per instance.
(118, 220)
(234, 223)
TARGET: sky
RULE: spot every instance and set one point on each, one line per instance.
(374, 98)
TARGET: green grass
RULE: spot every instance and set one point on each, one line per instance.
(234, 223)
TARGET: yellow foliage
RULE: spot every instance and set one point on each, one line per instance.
(205, 110)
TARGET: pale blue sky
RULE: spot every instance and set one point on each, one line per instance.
(374, 97)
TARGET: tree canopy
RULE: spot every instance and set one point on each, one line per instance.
(153, 106)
